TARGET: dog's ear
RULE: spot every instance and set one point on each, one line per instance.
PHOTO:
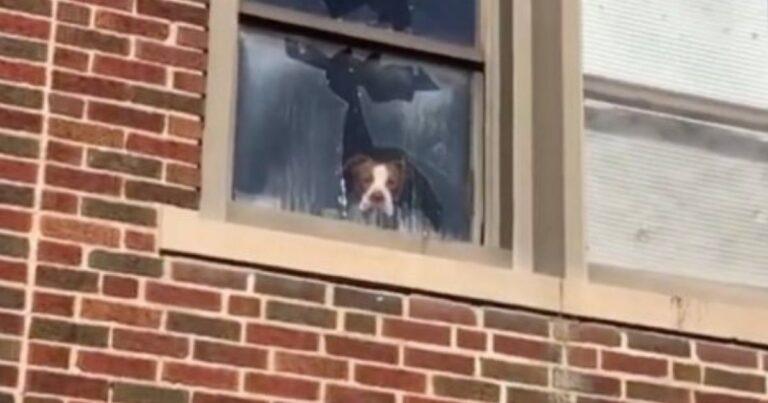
(355, 161)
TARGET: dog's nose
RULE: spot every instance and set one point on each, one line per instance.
(377, 197)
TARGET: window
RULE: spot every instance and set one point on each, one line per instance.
(364, 119)
(677, 134)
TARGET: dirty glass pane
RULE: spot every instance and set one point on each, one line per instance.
(321, 125)
(445, 20)
(712, 48)
(677, 196)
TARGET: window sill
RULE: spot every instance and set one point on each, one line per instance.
(186, 232)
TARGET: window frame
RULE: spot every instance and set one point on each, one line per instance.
(482, 60)
(549, 267)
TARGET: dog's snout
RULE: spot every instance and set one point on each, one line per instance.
(377, 197)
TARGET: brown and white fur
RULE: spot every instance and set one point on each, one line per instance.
(376, 185)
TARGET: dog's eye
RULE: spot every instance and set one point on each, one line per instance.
(368, 180)
(390, 183)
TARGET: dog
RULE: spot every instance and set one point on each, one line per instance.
(376, 186)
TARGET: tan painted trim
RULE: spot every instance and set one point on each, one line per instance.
(184, 231)
(187, 232)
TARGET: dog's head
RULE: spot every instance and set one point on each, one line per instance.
(376, 185)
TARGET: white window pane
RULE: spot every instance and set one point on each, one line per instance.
(713, 48)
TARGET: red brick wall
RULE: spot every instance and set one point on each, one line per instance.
(100, 105)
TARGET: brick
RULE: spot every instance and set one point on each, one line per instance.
(586, 383)
(168, 100)
(39, 7)
(71, 280)
(18, 171)
(581, 357)
(391, 378)
(368, 301)
(66, 105)
(13, 246)
(20, 96)
(125, 116)
(16, 24)
(238, 356)
(282, 386)
(243, 306)
(189, 82)
(130, 393)
(76, 179)
(686, 372)
(120, 212)
(14, 220)
(465, 389)
(9, 375)
(15, 272)
(183, 175)
(19, 146)
(183, 297)
(125, 263)
(202, 326)
(193, 38)
(657, 393)
(219, 398)
(360, 349)
(184, 127)
(442, 311)
(299, 314)
(86, 133)
(471, 340)
(11, 324)
(139, 241)
(173, 11)
(11, 298)
(440, 361)
(595, 334)
(23, 49)
(282, 337)
(150, 192)
(734, 380)
(414, 331)
(59, 201)
(344, 394)
(125, 5)
(728, 355)
(22, 121)
(120, 313)
(16, 195)
(67, 385)
(128, 69)
(48, 356)
(359, 323)
(290, 288)
(126, 24)
(314, 366)
(633, 364)
(73, 13)
(71, 59)
(532, 349)
(53, 304)
(120, 287)
(171, 56)
(207, 275)
(123, 163)
(516, 322)
(150, 343)
(10, 350)
(169, 149)
(714, 397)
(79, 231)
(64, 153)
(193, 375)
(114, 365)
(93, 86)
(91, 39)
(21, 72)
(70, 333)
(657, 343)
(514, 372)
